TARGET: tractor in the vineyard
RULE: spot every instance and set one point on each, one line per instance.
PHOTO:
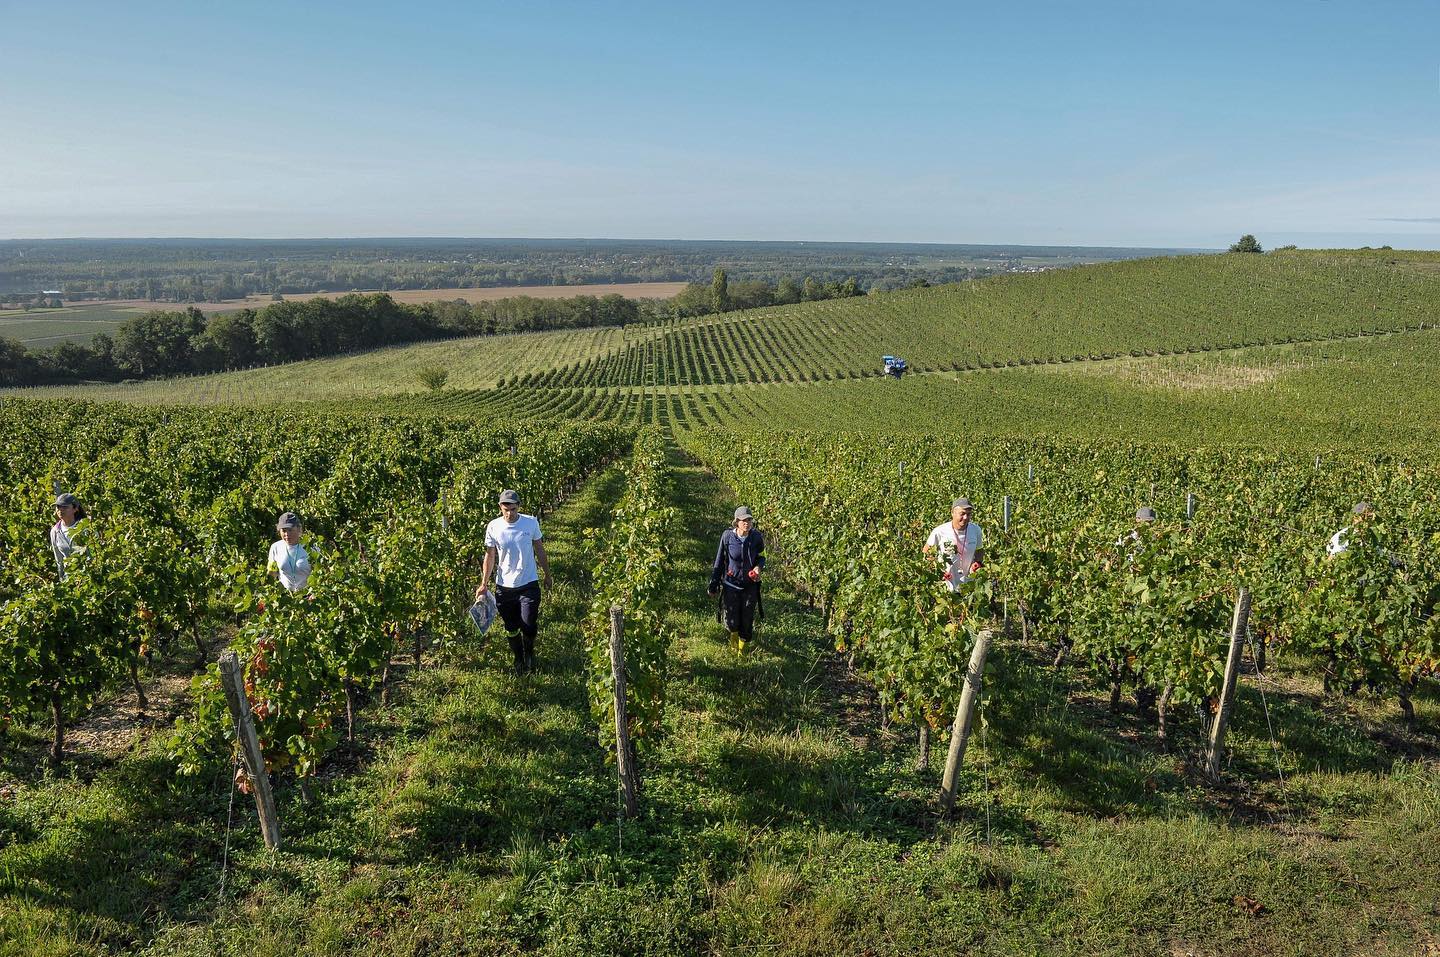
(895, 367)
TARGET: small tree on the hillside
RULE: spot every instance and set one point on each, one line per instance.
(720, 291)
(1246, 244)
(433, 377)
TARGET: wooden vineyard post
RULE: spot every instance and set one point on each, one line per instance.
(964, 719)
(1215, 749)
(922, 760)
(624, 759)
(233, 677)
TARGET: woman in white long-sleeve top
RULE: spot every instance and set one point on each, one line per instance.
(68, 530)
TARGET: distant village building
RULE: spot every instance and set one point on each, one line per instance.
(50, 292)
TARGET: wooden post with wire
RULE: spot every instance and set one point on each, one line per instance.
(232, 676)
(964, 720)
(1214, 750)
(624, 757)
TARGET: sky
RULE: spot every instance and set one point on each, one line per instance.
(1156, 123)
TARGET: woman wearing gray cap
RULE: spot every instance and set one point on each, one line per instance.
(736, 573)
(513, 551)
(67, 531)
(957, 544)
(288, 559)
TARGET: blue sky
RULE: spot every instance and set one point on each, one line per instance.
(1118, 123)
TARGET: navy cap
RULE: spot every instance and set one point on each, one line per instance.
(1145, 514)
(509, 497)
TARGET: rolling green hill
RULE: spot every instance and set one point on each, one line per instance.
(1373, 391)
(1127, 308)
(1039, 352)
(476, 363)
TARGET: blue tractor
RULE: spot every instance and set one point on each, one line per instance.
(895, 367)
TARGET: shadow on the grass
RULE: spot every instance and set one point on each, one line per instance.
(147, 855)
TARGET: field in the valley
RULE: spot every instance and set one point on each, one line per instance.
(78, 322)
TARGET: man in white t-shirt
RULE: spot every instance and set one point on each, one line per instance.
(513, 551)
(957, 544)
(288, 559)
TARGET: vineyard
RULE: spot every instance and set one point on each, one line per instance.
(1145, 307)
(182, 503)
(1373, 391)
(1143, 607)
(431, 800)
(1151, 307)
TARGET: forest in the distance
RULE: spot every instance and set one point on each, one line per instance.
(200, 270)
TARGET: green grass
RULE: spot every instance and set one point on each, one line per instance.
(474, 363)
(476, 815)
(38, 328)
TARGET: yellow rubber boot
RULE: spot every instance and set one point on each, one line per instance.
(735, 643)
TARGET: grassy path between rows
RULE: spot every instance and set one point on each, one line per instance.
(476, 815)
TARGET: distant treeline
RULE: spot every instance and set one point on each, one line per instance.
(162, 343)
(202, 270)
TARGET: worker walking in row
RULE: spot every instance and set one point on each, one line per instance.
(957, 545)
(67, 532)
(736, 576)
(515, 555)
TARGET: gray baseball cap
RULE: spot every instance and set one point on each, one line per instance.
(65, 498)
(288, 520)
(509, 497)
(1144, 514)
(743, 512)
(1362, 508)
(962, 503)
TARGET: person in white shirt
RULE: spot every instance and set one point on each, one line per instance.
(957, 544)
(66, 533)
(513, 553)
(1339, 543)
(288, 559)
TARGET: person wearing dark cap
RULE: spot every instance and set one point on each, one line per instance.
(288, 560)
(736, 576)
(515, 555)
(957, 544)
(1339, 543)
(66, 533)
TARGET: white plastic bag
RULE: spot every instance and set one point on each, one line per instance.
(482, 613)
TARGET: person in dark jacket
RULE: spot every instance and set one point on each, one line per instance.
(736, 575)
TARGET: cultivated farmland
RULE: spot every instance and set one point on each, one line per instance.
(1135, 774)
